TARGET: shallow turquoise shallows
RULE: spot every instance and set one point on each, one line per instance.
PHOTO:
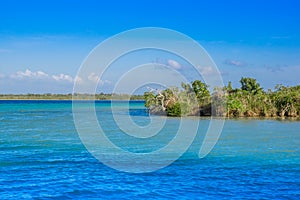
(41, 157)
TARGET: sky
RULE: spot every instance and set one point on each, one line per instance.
(44, 43)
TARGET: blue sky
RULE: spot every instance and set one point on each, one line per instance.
(43, 43)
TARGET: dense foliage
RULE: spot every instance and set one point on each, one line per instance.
(250, 100)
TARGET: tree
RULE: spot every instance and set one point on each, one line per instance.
(287, 100)
(249, 101)
(250, 85)
(174, 110)
(201, 92)
(149, 99)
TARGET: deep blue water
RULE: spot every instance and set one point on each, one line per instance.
(41, 156)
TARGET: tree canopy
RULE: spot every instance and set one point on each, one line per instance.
(250, 100)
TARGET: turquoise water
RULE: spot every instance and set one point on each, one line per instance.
(41, 157)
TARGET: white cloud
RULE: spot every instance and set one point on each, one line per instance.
(29, 74)
(93, 77)
(102, 82)
(206, 70)
(234, 63)
(174, 64)
(275, 68)
(39, 81)
(62, 77)
(96, 79)
(78, 80)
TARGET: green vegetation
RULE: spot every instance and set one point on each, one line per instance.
(250, 100)
(49, 96)
(194, 99)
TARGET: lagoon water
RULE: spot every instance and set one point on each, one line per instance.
(41, 157)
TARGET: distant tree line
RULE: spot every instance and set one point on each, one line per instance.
(49, 96)
(250, 100)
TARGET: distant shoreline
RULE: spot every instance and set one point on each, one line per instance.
(70, 100)
(70, 97)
